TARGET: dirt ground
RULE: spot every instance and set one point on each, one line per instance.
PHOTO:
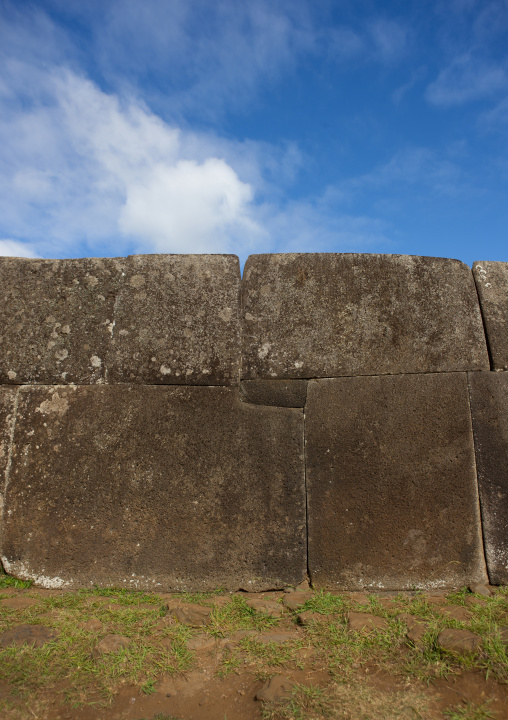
(114, 655)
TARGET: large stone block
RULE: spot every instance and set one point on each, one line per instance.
(492, 284)
(392, 494)
(489, 408)
(326, 315)
(56, 319)
(283, 393)
(154, 487)
(177, 321)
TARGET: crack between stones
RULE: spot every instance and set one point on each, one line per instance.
(480, 523)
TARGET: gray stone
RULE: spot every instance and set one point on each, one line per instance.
(57, 318)
(176, 321)
(492, 285)
(282, 393)
(392, 496)
(7, 419)
(325, 315)
(489, 409)
(155, 487)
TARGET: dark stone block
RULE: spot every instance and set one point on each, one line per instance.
(56, 320)
(155, 487)
(326, 315)
(489, 408)
(492, 285)
(392, 495)
(176, 321)
(282, 393)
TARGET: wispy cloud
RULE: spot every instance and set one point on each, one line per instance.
(466, 79)
(13, 248)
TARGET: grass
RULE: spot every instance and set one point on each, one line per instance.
(158, 646)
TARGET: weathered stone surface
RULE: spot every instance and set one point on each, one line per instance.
(56, 319)
(282, 393)
(492, 284)
(489, 409)
(7, 418)
(324, 315)
(176, 321)
(359, 622)
(155, 487)
(295, 600)
(392, 496)
(458, 641)
(194, 615)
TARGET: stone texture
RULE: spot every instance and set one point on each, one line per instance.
(111, 644)
(194, 615)
(489, 409)
(365, 621)
(295, 600)
(458, 641)
(7, 419)
(176, 321)
(163, 488)
(56, 319)
(492, 284)
(325, 315)
(35, 635)
(392, 496)
(282, 393)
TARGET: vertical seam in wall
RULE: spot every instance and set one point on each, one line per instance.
(9, 456)
(113, 323)
(478, 497)
(306, 496)
(487, 343)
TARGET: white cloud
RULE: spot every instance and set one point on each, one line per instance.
(13, 248)
(88, 167)
(466, 79)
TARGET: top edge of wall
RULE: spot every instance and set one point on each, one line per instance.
(178, 318)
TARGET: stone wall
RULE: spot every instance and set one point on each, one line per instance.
(166, 424)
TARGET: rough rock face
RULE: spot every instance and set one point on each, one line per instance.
(56, 319)
(492, 284)
(155, 487)
(392, 497)
(7, 419)
(282, 393)
(489, 408)
(176, 321)
(156, 319)
(325, 315)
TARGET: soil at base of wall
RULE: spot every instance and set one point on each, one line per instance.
(112, 655)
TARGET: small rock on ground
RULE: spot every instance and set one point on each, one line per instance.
(36, 635)
(269, 607)
(111, 644)
(92, 625)
(366, 621)
(480, 589)
(193, 615)
(200, 642)
(297, 599)
(309, 616)
(277, 689)
(458, 641)
(18, 603)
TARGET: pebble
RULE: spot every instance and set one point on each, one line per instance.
(111, 644)
(364, 621)
(297, 599)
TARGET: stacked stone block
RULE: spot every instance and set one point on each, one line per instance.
(165, 424)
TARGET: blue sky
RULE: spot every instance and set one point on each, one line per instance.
(141, 126)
